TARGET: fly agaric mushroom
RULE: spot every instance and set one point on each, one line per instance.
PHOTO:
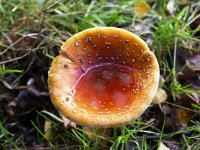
(103, 77)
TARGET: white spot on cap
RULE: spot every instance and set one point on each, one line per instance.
(89, 39)
(78, 43)
(94, 46)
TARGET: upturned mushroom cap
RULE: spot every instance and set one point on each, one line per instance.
(103, 77)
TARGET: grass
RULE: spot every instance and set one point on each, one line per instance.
(54, 22)
(6, 138)
(4, 71)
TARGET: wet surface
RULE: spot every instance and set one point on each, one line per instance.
(107, 89)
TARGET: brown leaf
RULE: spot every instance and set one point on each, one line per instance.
(191, 98)
(192, 69)
(194, 62)
(21, 23)
(182, 117)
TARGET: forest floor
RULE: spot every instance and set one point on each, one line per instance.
(31, 33)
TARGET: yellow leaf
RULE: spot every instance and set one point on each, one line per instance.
(141, 9)
(48, 132)
(160, 97)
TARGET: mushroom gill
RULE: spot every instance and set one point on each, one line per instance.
(103, 77)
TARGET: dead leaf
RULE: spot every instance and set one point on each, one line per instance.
(182, 117)
(141, 9)
(171, 6)
(191, 70)
(21, 23)
(173, 144)
(165, 109)
(160, 97)
(141, 28)
(194, 62)
(48, 132)
(190, 98)
(163, 147)
(181, 114)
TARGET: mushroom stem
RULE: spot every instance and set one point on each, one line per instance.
(68, 123)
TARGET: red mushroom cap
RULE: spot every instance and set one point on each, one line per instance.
(103, 77)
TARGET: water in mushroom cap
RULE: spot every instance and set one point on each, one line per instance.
(109, 71)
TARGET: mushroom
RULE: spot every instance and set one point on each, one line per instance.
(104, 77)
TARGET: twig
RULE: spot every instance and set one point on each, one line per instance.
(175, 105)
(17, 41)
(14, 59)
(20, 57)
(191, 21)
(13, 44)
(43, 16)
(29, 66)
(175, 50)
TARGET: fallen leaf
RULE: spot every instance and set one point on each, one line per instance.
(21, 23)
(181, 114)
(171, 6)
(191, 98)
(160, 97)
(48, 132)
(163, 147)
(141, 9)
(173, 144)
(182, 117)
(190, 73)
(194, 62)
(165, 109)
(142, 28)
